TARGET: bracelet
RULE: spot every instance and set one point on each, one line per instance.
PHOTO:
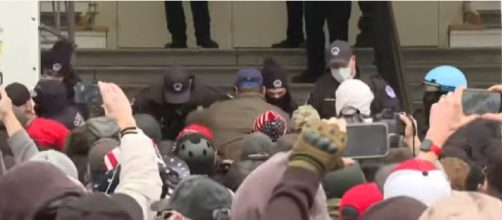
(128, 130)
(436, 150)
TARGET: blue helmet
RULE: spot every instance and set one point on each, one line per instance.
(446, 78)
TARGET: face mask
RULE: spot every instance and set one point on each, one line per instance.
(276, 101)
(280, 102)
(341, 74)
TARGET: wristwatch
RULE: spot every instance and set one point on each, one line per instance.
(428, 146)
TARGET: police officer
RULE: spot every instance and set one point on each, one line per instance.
(337, 14)
(294, 33)
(342, 66)
(171, 102)
(437, 82)
(175, 18)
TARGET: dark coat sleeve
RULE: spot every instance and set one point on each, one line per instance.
(147, 102)
(322, 98)
(294, 196)
(385, 96)
(205, 96)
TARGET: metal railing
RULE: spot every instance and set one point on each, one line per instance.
(387, 49)
(69, 11)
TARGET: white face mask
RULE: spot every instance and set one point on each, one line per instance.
(341, 74)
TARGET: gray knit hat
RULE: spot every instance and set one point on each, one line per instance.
(256, 144)
(59, 160)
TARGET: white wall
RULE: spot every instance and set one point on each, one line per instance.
(140, 24)
(19, 46)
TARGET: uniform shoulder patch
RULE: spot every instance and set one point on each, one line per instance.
(390, 91)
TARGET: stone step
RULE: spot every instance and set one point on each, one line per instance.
(300, 91)
(491, 18)
(476, 38)
(225, 74)
(473, 72)
(451, 56)
(485, 5)
(148, 75)
(245, 57)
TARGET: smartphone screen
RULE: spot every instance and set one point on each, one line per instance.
(367, 140)
(87, 94)
(476, 101)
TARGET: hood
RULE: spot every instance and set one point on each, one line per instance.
(258, 186)
(103, 127)
(19, 200)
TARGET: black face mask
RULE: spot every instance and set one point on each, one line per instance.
(280, 102)
(429, 99)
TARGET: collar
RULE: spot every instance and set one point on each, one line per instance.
(250, 95)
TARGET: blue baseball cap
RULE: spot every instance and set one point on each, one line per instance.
(249, 77)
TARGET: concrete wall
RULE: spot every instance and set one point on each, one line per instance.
(259, 24)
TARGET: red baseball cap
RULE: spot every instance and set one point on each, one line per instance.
(196, 128)
(358, 199)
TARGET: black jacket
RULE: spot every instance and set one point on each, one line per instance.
(323, 96)
(172, 117)
(70, 117)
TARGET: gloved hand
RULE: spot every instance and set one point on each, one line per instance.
(320, 147)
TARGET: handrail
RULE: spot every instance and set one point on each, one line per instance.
(388, 51)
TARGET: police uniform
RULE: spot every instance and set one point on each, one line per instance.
(323, 96)
(171, 102)
(336, 14)
(294, 33)
(175, 18)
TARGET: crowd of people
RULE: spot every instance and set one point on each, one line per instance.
(185, 150)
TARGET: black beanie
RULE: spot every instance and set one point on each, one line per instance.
(273, 75)
(18, 93)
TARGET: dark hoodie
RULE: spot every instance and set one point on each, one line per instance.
(152, 101)
(61, 53)
(274, 77)
(51, 102)
(474, 140)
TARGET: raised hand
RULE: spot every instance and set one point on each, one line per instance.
(447, 116)
(116, 105)
(320, 147)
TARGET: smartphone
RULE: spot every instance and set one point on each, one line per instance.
(87, 94)
(367, 140)
(479, 101)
